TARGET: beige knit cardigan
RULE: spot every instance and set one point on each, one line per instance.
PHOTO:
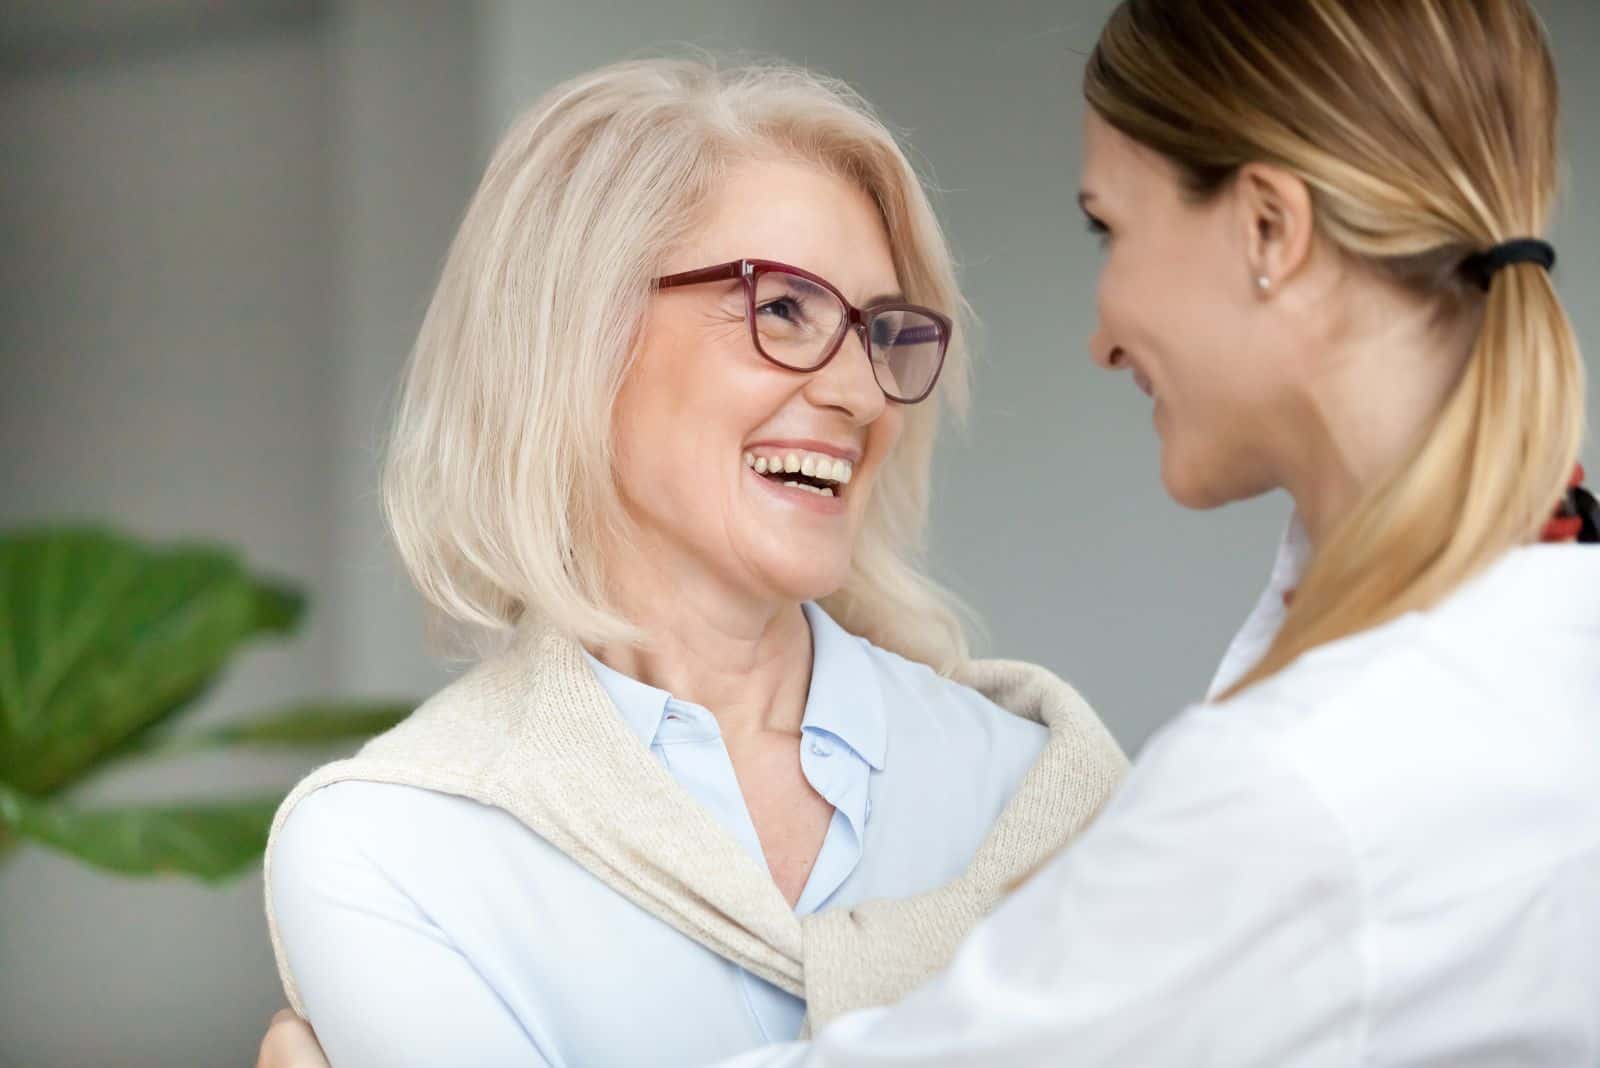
(531, 731)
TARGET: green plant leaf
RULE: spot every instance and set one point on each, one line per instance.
(103, 637)
(301, 725)
(210, 841)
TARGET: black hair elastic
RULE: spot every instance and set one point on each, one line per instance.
(1581, 503)
(1481, 267)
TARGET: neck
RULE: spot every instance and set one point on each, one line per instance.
(1368, 410)
(746, 660)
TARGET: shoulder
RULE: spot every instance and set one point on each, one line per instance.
(1418, 680)
(384, 849)
(1386, 663)
(387, 825)
(952, 756)
(429, 766)
(1504, 639)
(368, 808)
(1214, 800)
(1420, 737)
(916, 697)
(403, 778)
(1308, 745)
(1352, 713)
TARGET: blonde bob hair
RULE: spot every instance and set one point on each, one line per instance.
(1426, 133)
(498, 484)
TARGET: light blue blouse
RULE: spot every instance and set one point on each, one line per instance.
(424, 928)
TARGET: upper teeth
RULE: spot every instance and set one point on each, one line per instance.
(812, 464)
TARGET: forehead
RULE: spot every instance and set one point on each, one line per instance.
(1117, 168)
(799, 214)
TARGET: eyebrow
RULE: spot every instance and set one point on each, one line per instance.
(884, 298)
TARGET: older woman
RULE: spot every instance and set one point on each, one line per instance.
(665, 444)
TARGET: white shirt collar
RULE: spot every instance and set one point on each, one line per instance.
(1261, 626)
(1537, 579)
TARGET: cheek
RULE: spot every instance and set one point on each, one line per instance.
(1145, 305)
(660, 431)
(883, 437)
(1179, 318)
(686, 381)
(1165, 294)
(644, 409)
(1185, 330)
(885, 433)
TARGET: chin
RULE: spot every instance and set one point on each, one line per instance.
(1194, 499)
(1191, 484)
(1201, 486)
(807, 584)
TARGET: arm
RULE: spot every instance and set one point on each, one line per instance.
(382, 984)
(1212, 915)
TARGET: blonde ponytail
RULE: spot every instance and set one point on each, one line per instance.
(1484, 479)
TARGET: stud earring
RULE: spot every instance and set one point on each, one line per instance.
(1263, 283)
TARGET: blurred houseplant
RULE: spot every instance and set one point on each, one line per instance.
(105, 642)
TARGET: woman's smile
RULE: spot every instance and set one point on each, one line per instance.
(796, 469)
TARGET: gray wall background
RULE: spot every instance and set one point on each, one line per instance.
(219, 225)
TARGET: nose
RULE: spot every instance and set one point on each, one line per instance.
(1106, 353)
(847, 383)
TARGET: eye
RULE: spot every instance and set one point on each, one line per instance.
(789, 309)
(1100, 230)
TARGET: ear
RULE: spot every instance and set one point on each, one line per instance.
(1275, 207)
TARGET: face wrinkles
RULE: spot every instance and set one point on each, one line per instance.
(700, 407)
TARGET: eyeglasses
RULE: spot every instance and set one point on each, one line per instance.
(799, 322)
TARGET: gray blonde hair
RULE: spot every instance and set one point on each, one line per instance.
(498, 484)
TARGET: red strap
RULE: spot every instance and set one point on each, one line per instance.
(1562, 527)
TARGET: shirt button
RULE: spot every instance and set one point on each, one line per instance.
(821, 749)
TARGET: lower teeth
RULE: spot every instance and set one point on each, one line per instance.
(811, 489)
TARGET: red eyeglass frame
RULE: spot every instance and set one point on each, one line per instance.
(749, 270)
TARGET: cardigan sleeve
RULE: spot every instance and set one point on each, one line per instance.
(381, 983)
(1213, 914)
